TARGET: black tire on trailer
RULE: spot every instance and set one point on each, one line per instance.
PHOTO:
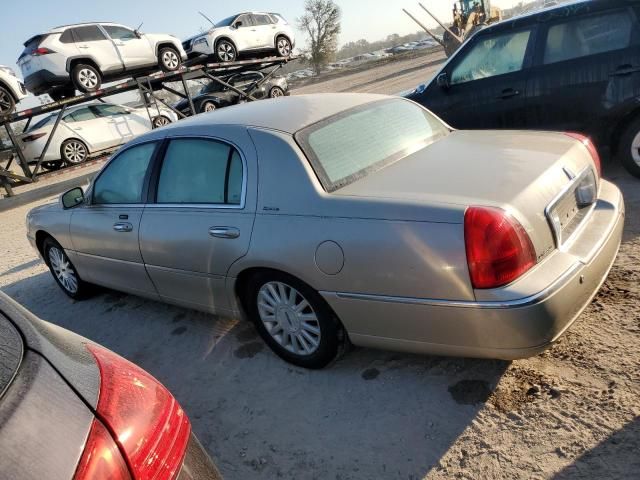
(276, 92)
(86, 78)
(7, 102)
(226, 51)
(169, 59)
(283, 46)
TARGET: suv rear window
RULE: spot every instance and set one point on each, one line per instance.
(365, 139)
(588, 36)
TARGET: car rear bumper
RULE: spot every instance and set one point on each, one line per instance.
(504, 329)
(43, 81)
(197, 464)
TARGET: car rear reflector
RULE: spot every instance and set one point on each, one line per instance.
(148, 424)
(591, 148)
(498, 248)
(101, 457)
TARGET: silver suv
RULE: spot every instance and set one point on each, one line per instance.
(243, 33)
(82, 56)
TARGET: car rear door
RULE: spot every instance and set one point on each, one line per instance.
(104, 232)
(486, 81)
(202, 218)
(134, 52)
(587, 68)
(85, 124)
(265, 30)
(92, 42)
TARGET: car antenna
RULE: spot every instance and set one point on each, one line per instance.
(208, 19)
(139, 27)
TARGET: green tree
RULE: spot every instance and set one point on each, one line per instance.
(321, 22)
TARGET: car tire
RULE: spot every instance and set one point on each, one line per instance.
(51, 165)
(283, 46)
(86, 78)
(226, 51)
(62, 93)
(73, 151)
(294, 320)
(276, 92)
(208, 106)
(629, 148)
(7, 102)
(169, 59)
(161, 121)
(63, 271)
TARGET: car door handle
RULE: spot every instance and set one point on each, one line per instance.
(83, 46)
(626, 69)
(508, 93)
(224, 232)
(122, 227)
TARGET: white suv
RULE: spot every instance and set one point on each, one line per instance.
(82, 56)
(242, 33)
(11, 91)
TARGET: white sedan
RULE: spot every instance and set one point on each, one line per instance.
(86, 130)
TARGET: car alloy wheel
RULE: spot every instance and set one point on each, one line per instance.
(635, 149)
(7, 103)
(161, 121)
(88, 79)
(226, 51)
(289, 318)
(63, 270)
(170, 60)
(208, 107)
(74, 152)
(276, 92)
(284, 47)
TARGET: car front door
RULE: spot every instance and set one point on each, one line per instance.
(201, 220)
(586, 73)
(244, 35)
(122, 124)
(105, 231)
(92, 42)
(135, 52)
(483, 86)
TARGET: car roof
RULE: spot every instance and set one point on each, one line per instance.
(287, 114)
(62, 28)
(564, 10)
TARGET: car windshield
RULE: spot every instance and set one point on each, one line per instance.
(355, 143)
(226, 22)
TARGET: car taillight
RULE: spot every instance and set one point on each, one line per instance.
(41, 51)
(101, 457)
(591, 148)
(498, 248)
(32, 137)
(148, 425)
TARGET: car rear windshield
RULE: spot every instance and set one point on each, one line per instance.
(355, 143)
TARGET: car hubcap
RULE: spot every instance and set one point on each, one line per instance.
(289, 318)
(75, 152)
(161, 121)
(226, 52)
(284, 47)
(5, 102)
(276, 92)
(63, 270)
(209, 107)
(635, 149)
(170, 60)
(88, 78)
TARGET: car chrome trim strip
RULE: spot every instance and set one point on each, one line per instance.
(434, 302)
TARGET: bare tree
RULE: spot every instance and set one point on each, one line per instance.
(321, 21)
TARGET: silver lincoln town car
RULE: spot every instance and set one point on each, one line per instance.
(347, 218)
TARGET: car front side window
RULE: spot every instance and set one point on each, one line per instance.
(122, 180)
(89, 33)
(491, 56)
(109, 110)
(200, 171)
(119, 33)
(588, 36)
(80, 115)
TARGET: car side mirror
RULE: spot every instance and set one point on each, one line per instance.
(72, 198)
(443, 81)
(137, 34)
(237, 24)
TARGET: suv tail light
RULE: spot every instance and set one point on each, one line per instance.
(41, 51)
(149, 427)
(591, 148)
(101, 458)
(498, 248)
(33, 136)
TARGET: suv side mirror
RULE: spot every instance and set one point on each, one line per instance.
(238, 24)
(137, 34)
(72, 198)
(443, 81)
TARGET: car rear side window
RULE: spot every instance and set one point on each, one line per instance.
(262, 19)
(491, 56)
(90, 33)
(122, 180)
(200, 171)
(67, 36)
(588, 36)
(362, 140)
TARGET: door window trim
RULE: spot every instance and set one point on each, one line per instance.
(145, 182)
(158, 160)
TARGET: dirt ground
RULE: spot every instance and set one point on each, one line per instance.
(572, 412)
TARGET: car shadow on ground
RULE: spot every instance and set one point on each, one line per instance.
(372, 414)
(615, 457)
